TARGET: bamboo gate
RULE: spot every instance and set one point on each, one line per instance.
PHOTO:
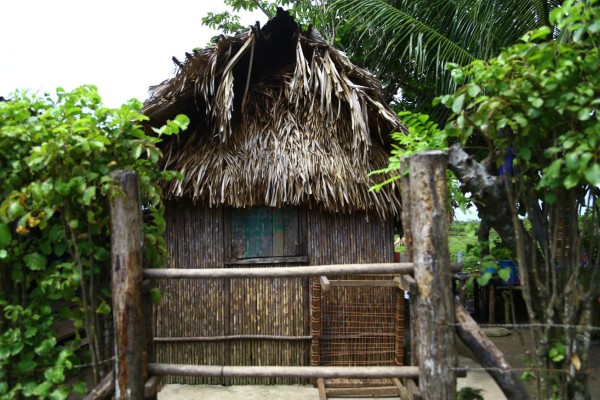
(427, 279)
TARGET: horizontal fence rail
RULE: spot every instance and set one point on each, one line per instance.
(229, 337)
(282, 371)
(284, 272)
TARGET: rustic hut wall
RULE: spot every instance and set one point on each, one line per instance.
(207, 312)
(349, 238)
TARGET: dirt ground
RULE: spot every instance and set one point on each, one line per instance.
(515, 346)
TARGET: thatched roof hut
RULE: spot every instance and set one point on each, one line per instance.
(279, 117)
(284, 132)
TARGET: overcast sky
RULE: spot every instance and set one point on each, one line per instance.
(121, 46)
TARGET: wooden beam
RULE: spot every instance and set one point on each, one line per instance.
(279, 272)
(402, 390)
(147, 305)
(282, 371)
(104, 388)
(127, 248)
(151, 386)
(267, 260)
(362, 283)
(414, 393)
(363, 391)
(325, 284)
(488, 355)
(406, 282)
(230, 337)
(431, 259)
(321, 388)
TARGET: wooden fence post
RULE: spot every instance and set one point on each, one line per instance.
(408, 244)
(127, 241)
(434, 303)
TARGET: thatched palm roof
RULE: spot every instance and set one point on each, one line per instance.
(278, 117)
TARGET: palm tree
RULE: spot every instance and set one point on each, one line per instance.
(408, 43)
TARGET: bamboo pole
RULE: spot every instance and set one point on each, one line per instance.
(280, 272)
(231, 337)
(283, 272)
(127, 243)
(434, 303)
(282, 371)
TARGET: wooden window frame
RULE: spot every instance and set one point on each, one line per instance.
(230, 259)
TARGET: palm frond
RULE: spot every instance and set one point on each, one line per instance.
(424, 35)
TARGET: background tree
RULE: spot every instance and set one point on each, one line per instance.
(536, 104)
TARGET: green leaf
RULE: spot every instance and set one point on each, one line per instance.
(536, 101)
(525, 153)
(584, 114)
(182, 121)
(17, 348)
(5, 236)
(79, 387)
(540, 33)
(592, 174)
(15, 210)
(571, 180)
(45, 346)
(473, 90)
(43, 389)
(136, 151)
(35, 261)
(504, 274)
(484, 279)
(457, 104)
(88, 195)
(73, 223)
(155, 295)
(3, 254)
(59, 394)
(30, 332)
(26, 365)
(103, 308)
(60, 248)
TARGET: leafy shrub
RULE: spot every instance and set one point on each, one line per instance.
(56, 156)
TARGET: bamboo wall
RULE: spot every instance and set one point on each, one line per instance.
(195, 316)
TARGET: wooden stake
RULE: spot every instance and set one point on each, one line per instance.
(408, 243)
(127, 243)
(434, 303)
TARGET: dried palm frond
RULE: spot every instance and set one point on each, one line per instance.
(278, 117)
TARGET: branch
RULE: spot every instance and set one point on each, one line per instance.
(488, 354)
(489, 192)
(264, 10)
